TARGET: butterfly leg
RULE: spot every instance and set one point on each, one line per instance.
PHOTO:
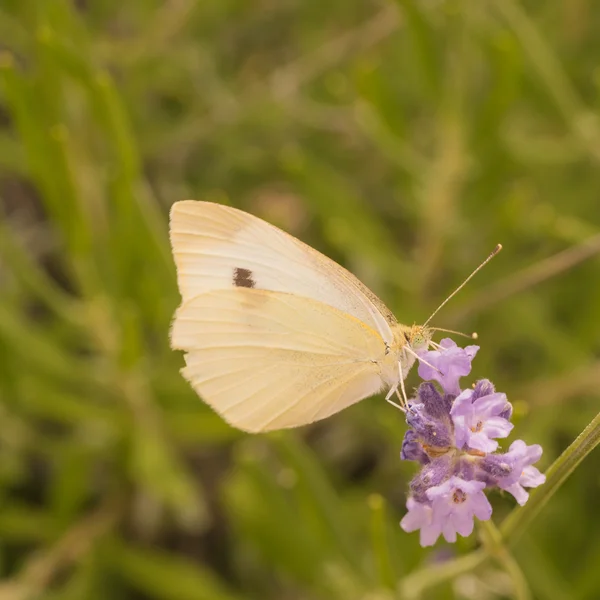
(404, 396)
(389, 395)
(398, 406)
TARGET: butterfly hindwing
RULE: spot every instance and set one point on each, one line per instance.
(268, 360)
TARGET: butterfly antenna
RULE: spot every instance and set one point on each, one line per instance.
(472, 336)
(462, 285)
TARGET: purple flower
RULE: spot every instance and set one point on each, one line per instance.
(430, 431)
(477, 420)
(451, 363)
(435, 404)
(412, 449)
(420, 516)
(455, 503)
(484, 387)
(449, 509)
(431, 475)
(513, 471)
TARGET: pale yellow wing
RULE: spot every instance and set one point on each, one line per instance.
(269, 360)
(217, 247)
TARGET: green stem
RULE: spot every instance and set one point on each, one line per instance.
(517, 521)
(496, 548)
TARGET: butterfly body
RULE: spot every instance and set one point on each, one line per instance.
(275, 333)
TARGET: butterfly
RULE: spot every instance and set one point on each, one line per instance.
(276, 334)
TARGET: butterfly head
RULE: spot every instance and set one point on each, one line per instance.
(418, 337)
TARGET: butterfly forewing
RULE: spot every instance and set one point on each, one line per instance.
(218, 247)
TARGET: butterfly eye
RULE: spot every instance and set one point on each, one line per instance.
(418, 340)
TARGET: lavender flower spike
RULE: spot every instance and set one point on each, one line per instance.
(453, 436)
(451, 363)
(477, 421)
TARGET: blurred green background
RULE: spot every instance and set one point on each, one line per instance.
(402, 138)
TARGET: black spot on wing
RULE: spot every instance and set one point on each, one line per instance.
(243, 278)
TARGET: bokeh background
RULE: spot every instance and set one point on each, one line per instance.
(402, 138)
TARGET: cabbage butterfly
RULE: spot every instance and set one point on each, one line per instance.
(275, 333)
